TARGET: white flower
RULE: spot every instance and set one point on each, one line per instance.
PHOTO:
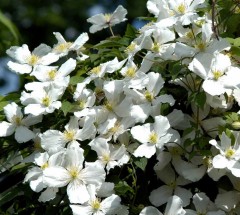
(109, 155)
(185, 11)
(229, 155)
(63, 47)
(160, 195)
(203, 205)
(17, 123)
(153, 136)
(101, 21)
(55, 74)
(27, 60)
(74, 176)
(216, 71)
(95, 206)
(43, 99)
(54, 140)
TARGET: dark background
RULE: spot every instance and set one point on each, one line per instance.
(36, 20)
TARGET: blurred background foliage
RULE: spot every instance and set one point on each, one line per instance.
(37, 20)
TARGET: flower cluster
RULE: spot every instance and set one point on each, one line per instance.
(134, 124)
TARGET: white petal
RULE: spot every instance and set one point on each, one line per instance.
(6, 129)
(48, 194)
(56, 176)
(219, 162)
(160, 196)
(145, 150)
(77, 192)
(150, 210)
(23, 134)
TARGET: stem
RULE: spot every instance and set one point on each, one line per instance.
(110, 28)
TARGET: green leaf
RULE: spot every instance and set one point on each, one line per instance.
(74, 80)
(122, 188)
(141, 163)
(201, 99)
(3, 104)
(66, 107)
(6, 22)
(131, 31)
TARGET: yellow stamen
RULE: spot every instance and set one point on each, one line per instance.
(229, 153)
(52, 74)
(149, 96)
(131, 72)
(108, 17)
(44, 166)
(217, 74)
(131, 47)
(74, 172)
(108, 106)
(33, 59)
(96, 70)
(69, 135)
(96, 204)
(82, 104)
(62, 47)
(181, 8)
(201, 46)
(189, 35)
(153, 138)
(156, 47)
(46, 101)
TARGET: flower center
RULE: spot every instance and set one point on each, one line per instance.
(17, 120)
(96, 70)
(33, 59)
(153, 137)
(131, 72)
(46, 101)
(189, 35)
(201, 46)
(207, 161)
(106, 157)
(62, 47)
(149, 96)
(82, 104)
(44, 166)
(217, 74)
(156, 47)
(108, 106)
(229, 153)
(52, 74)
(131, 47)
(173, 184)
(69, 135)
(108, 17)
(74, 172)
(96, 204)
(181, 8)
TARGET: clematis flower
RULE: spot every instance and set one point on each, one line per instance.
(74, 176)
(101, 21)
(153, 136)
(43, 99)
(172, 186)
(18, 124)
(109, 155)
(94, 206)
(174, 207)
(26, 60)
(229, 155)
(63, 47)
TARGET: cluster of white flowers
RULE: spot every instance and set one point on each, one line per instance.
(118, 115)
